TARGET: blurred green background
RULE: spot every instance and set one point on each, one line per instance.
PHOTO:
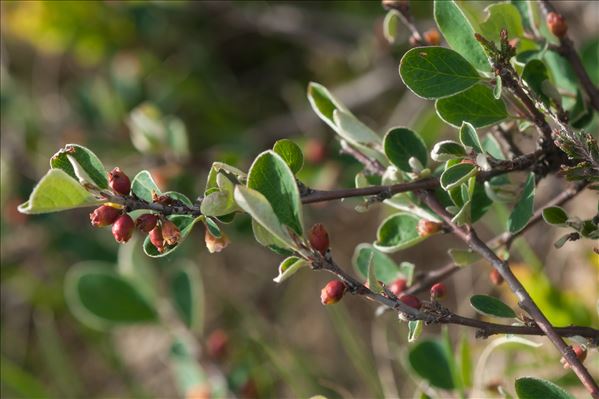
(230, 77)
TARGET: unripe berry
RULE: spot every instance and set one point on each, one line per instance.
(104, 216)
(398, 286)
(146, 222)
(495, 277)
(156, 238)
(428, 227)
(411, 301)
(557, 24)
(170, 232)
(217, 344)
(215, 244)
(438, 290)
(332, 292)
(319, 238)
(119, 182)
(432, 37)
(122, 229)
(579, 351)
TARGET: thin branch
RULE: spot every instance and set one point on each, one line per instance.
(566, 49)
(469, 236)
(427, 280)
(506, 138)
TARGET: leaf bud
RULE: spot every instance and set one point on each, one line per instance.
(104, 215)
(319, 238)
(579, 351)
(119, 182)
(428, 227)
(332, 292)
(122, 229)
(432, 37)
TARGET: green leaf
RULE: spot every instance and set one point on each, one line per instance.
(385, 268)
(218, 203)
(588, 53)
(435, 72)
(212, 227)
(523, 210)
(291, 154)
(57, 191)
(523, 7)
(491, 306)
(463, 257)
(270, 176)
(373, 282)
(401, 144)
(353, 130)
(469, 138)
(534, 74)
(475, 105)
(497, 88)
(86, 160)
(258, 207)
(231, 172)
(446, 150)
(143, 186)
(324, 103)
(100, 298)
(535, 388)
(397, 232)
(390, 24)
(465, 364)
(289, 267)
(184, 223)
(429, 360)
(502, 15)
(414, 329)
(455, 175)
(186, 292)
(186, 369)
(459, 34)
(555, 215)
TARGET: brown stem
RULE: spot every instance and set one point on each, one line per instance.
(469, 236)
(427, 280)
(566, 49)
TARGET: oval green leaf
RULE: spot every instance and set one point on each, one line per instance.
(459, 34)
(436, 72)
(523, 210)
(401, 144)
(143, 185)
(398, 232)
(57, 191)
(446, 150)
(385, 268)
(324, 103)
(555, 215)
(429, 360)
(502, 15)
(476, 105)
(186, 292)
(87, 161)
(270, 176)
(469, 138)
(490, 306)
(289, 267)
(455, 175)
(535, 388)
(291, 154)
(100, 297)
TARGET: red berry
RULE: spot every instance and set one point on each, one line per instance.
(495, 277)
(215, 244)
(411, 301)
(104, 216)
(170, 232)
(122, 229)
(332, 292)
(438, 290)
(557, 24)
(398, 286)
(579, 351)
(119, 181)
(217, 344)
(146, 222)
(432, 37)
(319, 238)
(156, 238)
(428, 227)
(315, 151)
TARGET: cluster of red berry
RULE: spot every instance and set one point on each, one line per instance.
(162, 231)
